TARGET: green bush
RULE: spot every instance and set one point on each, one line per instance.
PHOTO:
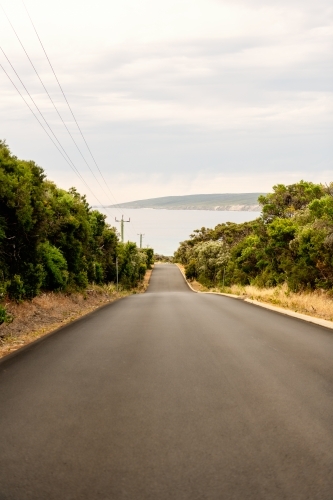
(5, 316)
(132, 264)
(33, 276)
(16, 288)
(55, 265)
(149, 252)
(3, 289)
(99, 273)
(191, 270)
(81, 279)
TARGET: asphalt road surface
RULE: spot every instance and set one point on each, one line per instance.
(170, 395)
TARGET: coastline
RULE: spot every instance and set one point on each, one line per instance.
(227, 208)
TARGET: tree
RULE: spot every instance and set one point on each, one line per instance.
(211, 258)
(286, 200)
(51, 239)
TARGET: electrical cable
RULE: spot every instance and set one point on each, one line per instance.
(50, 98)
(70, 109)
(69, 161)
(39, 111)
(58, 113)
(41, 124)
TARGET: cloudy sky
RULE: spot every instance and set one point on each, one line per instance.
(173, 97)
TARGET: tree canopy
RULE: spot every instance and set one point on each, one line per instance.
(291, 242)
(51, 239)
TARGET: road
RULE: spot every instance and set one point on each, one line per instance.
(170, 395)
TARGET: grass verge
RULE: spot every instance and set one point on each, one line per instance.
(318, 304)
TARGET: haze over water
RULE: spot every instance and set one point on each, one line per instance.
(165, 229)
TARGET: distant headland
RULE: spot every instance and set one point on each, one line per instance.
(246, 202)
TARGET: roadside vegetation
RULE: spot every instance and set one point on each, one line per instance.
(163, 258)
(50, 310)
(285, 256)
(51, 240)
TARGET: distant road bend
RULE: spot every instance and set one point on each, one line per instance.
(170, 395)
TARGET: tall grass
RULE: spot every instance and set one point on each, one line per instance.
(318, 303)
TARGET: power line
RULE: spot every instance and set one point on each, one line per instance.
(69, 161)
(59, 146)
(39, 111)
(69, 107)
(50, 98)
(32, 111)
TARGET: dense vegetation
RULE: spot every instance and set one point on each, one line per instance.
(291, 242)
(50, 239)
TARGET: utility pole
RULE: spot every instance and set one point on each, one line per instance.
(141, 236)
(122, 226)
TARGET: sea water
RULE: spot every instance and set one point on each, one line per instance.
(163, 230)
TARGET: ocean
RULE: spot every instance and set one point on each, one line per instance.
(164, 229)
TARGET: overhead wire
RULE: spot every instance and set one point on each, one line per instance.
(39, 111)
(41, 124)
(50, 98)
(59, 145)
(70, 109)
(69, 162)
(63, 152)
(67, 102)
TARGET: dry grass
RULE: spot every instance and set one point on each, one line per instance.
(49, 311)
(318, 304)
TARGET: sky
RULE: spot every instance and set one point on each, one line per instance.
(173, 98)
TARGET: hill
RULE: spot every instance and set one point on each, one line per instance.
(222, 201)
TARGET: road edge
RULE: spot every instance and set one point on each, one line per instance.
(40, 339)
(287, 312)
(32, 343)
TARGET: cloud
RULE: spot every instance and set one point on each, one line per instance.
(180, 88)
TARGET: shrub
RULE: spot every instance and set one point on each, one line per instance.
(81, 279)
(5, 316)
(99, 273)
(34, 276)
(191, 270)
(55, 265)
(149, 255)
(16, 288)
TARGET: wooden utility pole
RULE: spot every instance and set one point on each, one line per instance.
(122, 226)
(141, 236)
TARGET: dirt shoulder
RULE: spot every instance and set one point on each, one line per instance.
(49, 311)
(195, 285)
